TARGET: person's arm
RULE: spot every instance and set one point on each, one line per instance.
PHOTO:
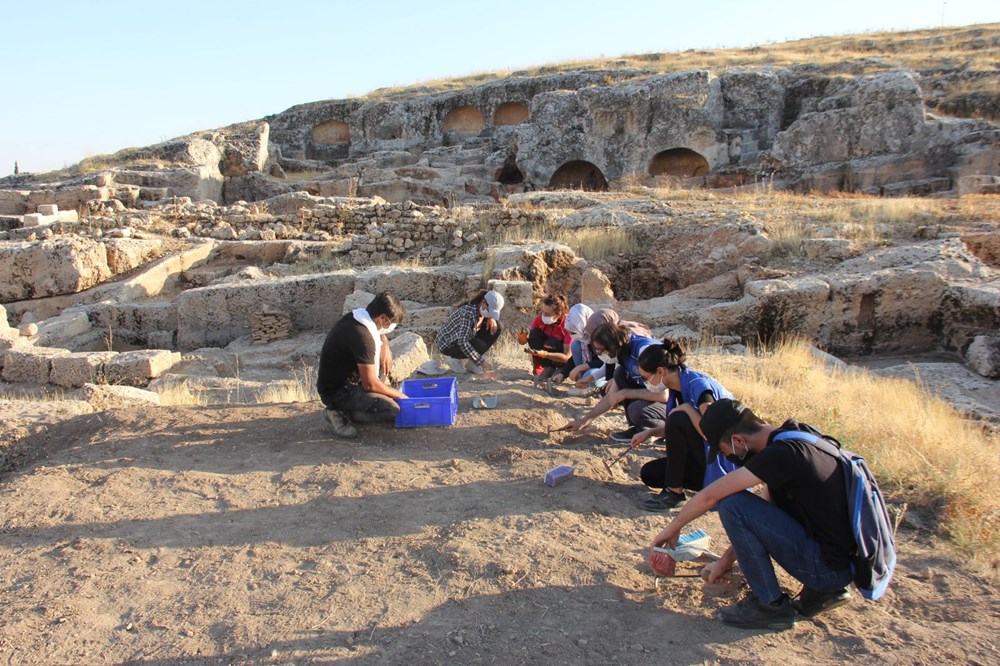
(712, 572)
(705, 501)
(655, 431)
(602, 406)
(385, 358)
(372, 384)
(559, 357)
(641, 394)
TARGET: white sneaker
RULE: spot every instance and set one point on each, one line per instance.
(454, 365)
(473, 368)
(338, 424)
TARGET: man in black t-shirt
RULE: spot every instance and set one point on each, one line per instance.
(355, 355)
(800, 521)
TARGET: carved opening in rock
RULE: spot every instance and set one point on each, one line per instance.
(466, 120)
(331, 133)
(678, 162)
(578, 175)
(509, 174)
(510, 113)
(866, 313)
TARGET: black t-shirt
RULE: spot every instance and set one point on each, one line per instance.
(346, 346)
(808, 484)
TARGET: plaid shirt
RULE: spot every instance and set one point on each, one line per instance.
(461, 327)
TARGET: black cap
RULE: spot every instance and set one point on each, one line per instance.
(720, 416)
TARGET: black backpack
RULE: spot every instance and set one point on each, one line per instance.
(874, 557)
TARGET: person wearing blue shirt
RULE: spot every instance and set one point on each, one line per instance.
(644, 409)
(689, 393)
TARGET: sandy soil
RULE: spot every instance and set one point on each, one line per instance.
(244, 534)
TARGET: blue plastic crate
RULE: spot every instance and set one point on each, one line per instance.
(429, 402)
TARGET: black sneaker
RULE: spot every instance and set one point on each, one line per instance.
(665, 501)
(810, 602)
(626, 435)
(749, 613)
(338, 424)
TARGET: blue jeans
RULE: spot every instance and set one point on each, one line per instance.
(593, 372)
(760, 531)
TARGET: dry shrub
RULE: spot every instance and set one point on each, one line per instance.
(922, 451)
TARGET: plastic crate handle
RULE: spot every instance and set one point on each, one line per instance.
(421, 405)
(429, 385)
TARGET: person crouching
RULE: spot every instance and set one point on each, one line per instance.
(354, 357)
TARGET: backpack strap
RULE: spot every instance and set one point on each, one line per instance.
(820, 443)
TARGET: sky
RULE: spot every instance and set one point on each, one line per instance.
(86, 78)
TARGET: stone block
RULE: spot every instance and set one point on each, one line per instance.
(32, 220)
(161, 340)
(79, 368)
(983, 355)
(30, 365)
(516, 293)
(357, 299)
(68, 216)
(47, 209)
(103, 397)
(136, 368)
(58, 331)
(408, 353)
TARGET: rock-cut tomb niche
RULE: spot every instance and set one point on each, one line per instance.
(678, 162)
(578, 175)
(510, 113)
(331, 133)
(465, 120)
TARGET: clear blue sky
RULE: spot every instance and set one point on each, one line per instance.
(84, 78)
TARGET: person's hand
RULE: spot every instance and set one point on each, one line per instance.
(557, 378)
(576, 424)
(641, 437)
(492, 325)
(667, 536)
(714, 571)
(522, 336)
(574, 377)
(616, 398)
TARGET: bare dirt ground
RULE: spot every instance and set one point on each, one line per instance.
(244, 534)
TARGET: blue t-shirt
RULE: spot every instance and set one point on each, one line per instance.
(693, 385)
(630, 362)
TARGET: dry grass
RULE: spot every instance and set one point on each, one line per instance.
(941, 467)
(589, 242)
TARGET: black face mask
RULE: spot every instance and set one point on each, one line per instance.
(739, 461)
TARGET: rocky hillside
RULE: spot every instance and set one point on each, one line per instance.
(887, 114)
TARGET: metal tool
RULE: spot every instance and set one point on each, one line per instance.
(611, 463)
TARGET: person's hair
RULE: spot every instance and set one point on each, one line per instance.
(476, 299)
(388, 305)
(748, 424)
(612, 337)
(670, 355)
(558, 303)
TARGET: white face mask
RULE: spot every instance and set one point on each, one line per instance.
(658, 387)
(607, 359)
(548, 320)
(386, 331)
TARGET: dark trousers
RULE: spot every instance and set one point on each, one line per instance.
(360, 405)
(641, 413)
(684, 464)
(481, 342)
(537, 340)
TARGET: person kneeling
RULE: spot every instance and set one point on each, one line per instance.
(802, 524)
(355, 355)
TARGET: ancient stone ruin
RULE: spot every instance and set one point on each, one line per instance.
(268, 230)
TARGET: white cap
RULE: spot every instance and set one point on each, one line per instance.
(494, 302)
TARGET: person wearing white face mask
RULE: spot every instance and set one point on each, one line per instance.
(548, 341)
(689, 393)
(354, 358)
(644, 409)
(471, 330)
